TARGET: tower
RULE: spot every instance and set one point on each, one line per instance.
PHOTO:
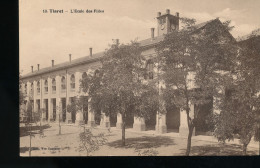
(167, 23)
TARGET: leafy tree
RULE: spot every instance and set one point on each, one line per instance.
(90, 142)
(118, 87)
(192, 61)
(240, 108)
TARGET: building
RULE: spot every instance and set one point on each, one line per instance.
(58, 85)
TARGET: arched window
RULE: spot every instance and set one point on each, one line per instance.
(46, 86)
(72, 82)
(149, 68)
(38, 87)
(32, 88)
(63, 83)
(53, 85)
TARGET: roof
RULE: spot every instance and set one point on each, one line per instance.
(78, 61)
(88, 59)
(95, 57)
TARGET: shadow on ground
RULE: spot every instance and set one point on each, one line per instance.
(25, 149)
(25, 131)
(218, 150)
(143, 142)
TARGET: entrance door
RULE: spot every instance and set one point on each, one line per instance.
(98, 117)
(47, 108)
(73, 113)
(173, 118)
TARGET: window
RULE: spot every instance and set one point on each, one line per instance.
(63, 83)
(46, 86)
(149, 68)
(72, 82)
(53, 85)
(38, 87)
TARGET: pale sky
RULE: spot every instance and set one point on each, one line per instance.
(46, 36)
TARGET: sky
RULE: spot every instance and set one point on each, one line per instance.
(53, 36)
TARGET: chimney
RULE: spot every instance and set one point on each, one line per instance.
(152, 33)
(90, 52)
(32, 68)
(52, 63)
(38, 67)
(158, 14)
(70, 57)
(167, 11)
(177, 14)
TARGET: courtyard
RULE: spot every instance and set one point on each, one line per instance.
(147, 143)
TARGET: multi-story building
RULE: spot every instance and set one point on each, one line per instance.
(58, 85)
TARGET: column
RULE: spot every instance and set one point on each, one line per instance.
(161, 126)
(28, 91)
(139, 124)
(184, 129)
(105, 120)
(68, 115)
(119, 121)
(35, 107)
(91, 115)
(58, 99)
(50, 110)
(50, 105)
(42, 103)
(58, 110)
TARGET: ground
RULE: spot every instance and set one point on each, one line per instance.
(137, 143)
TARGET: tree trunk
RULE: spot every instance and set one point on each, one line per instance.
(59, 125)
(244, 148)
(189, 140)
(30, 144)
(123, 129)
(30, 137)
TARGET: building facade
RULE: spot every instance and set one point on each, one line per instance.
(54, 87)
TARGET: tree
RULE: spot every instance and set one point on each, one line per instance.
(118, 87)
(28, 123)
(90, 142)
(240, 109)
(192, 61)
